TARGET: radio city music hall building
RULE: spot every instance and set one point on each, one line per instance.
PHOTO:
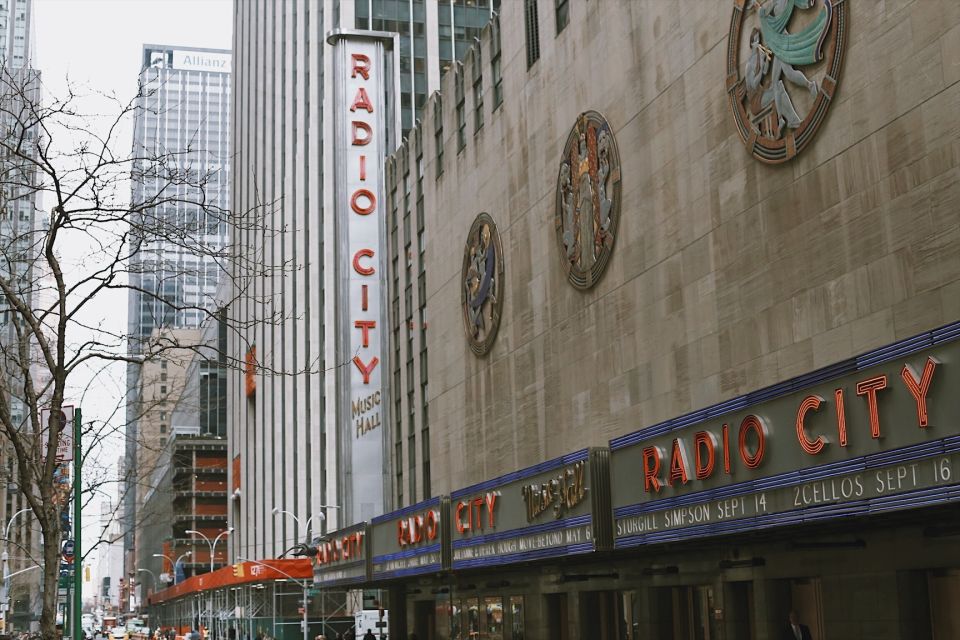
(673, 301)
(675, 290)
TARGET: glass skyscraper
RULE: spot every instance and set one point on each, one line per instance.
(182, 121)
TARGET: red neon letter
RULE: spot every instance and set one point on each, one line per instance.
(363, 168)
(461, 527)
(362, 101)
(431, 525)
(678, 464)
(650, 480)
(491, 503)
(703, 440)
(869, 388)
(361, 65)
(363, 298)
(364, 271)
(367, 369)
(401, 532)
(919, 388)
(365, 326)
(841, 418)
(359, 126)
(355, 202)
(755, 424)
(812, 447)
(725, 430)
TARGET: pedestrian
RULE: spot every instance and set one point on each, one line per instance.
(795, 629)
(369, 635)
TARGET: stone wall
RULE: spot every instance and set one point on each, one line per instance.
(727, 275)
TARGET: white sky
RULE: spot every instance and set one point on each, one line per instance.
(98, 44)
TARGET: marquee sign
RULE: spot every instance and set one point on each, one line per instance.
(342, 557)
(362, 109)
(410, 541)
(873, 433)
(557, 508)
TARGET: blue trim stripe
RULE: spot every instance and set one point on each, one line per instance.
(399, 573)
(573, 549)
(408, 553)
(918, 498)
(543, 467)
(946, 333)
(406, 511)
(923, 450)
(513, 533)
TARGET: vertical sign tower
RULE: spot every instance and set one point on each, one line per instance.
(366, 124)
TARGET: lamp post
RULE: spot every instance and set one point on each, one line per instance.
(213, 547)
(173, 565)
(152, 575)
(303, 585)
(307, 526)
(4, 558)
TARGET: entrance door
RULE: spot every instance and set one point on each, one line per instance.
(558, 619)
(944, 588)
(692, 608)
(740, 614)
(807, 602)
(424, 619)
(602, 616)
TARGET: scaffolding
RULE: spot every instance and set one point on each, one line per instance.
(255, 611)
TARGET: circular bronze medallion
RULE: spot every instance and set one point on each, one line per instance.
(588, 200)
(481, 295)
(783, 65)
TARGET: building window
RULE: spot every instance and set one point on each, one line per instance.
(163, 389)
(163, 442)
(562, 12)
(163, 428)
(438, 133)
(163, 364)
(532, 22)
(495, 64)
(461, 115)
(477, 88)
(163, 415)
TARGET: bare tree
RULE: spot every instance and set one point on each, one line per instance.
(58, 269)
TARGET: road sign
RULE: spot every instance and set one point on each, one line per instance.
(65, 426)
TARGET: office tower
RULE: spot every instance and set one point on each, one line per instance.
(283, 415)
(20, 237)
(182, 116)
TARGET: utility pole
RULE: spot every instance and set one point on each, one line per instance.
(77, 620)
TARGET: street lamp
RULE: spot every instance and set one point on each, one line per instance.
(4, 557)
(303, 585)
(213, 547)
(211, 544)
(173, 565)
(307, 527)
(152, 575)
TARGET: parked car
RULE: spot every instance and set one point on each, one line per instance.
(119, 632)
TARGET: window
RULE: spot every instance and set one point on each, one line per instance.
(477, 88)
(516, 618)
(562, 12)
(461, 115)
(163, 415)
(163, 442)
(163, 364)
(163, 428)
(495, 64)
(532, 22)
(163, 389)
(438, 133)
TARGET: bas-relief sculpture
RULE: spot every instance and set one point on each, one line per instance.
(482, 277)
(588, 200)
(793, 47)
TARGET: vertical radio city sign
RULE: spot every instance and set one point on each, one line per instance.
(363, 128)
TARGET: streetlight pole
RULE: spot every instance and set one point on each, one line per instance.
(4, 558)
(213, 547)
(152, 575)
(173, 565)
(303, 585)
(307, 527)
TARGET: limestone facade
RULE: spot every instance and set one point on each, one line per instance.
(727, 275)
